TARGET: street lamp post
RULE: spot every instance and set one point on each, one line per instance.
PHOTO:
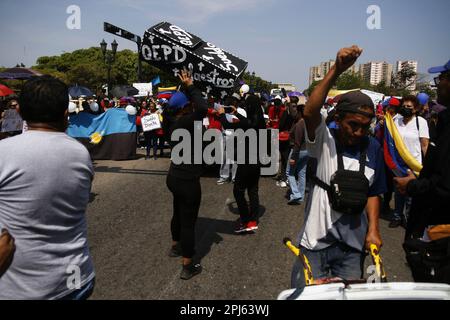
(109, 57)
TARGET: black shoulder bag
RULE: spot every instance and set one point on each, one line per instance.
(348, 190)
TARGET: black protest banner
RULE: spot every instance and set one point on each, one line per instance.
(170, 48)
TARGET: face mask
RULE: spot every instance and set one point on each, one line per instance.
(405, 112)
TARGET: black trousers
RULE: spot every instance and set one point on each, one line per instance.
(247, 178)
(285, 149)
(187, 195)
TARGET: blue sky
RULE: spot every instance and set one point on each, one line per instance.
(280, 39)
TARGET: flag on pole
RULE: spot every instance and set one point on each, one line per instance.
(156, 81)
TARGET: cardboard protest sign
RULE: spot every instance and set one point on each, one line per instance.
(145, 89)
(170, 48)
(151, 122)
(12, 121)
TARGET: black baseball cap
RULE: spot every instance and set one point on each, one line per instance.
(353, 101)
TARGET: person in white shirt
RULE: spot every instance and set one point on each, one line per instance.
(333, 237)
(414, 131)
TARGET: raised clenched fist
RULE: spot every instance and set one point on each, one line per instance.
(346, 57)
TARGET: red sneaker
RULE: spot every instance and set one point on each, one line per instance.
(252, 226)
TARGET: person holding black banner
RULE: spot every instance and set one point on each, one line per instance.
(183, 180)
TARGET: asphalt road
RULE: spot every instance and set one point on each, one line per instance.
(129, 235)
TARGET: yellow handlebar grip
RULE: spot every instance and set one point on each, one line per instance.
(293, 248)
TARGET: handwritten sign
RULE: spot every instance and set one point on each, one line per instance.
(144, 89)
(177, 34)
(171, 48)
(12, 121)
(151, 122)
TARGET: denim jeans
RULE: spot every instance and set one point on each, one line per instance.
(83, 293)
(338, 260)
(402, 206)
(297, 175)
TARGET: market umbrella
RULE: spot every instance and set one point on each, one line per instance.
(19, 74)
(78, 91)
(124, 91)
(5, 91)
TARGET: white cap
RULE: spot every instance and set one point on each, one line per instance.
(131, 110)
(278, 97)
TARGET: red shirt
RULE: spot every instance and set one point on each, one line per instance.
(275, 117)
(214, 122)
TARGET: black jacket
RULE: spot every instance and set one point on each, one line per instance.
(431, 191)
(186, 170)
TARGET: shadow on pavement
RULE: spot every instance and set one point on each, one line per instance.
(208, 230)
(92, 196)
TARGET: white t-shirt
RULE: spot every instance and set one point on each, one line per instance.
(45, 181)
(411, 134)
(323, 225)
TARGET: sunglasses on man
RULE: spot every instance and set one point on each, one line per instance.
(438, 79)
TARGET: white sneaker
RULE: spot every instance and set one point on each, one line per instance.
(283, 184)
(278, 183)
(222, 181)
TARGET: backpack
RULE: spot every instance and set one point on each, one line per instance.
(348, 190)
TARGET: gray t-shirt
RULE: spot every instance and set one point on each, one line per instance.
(45, 181)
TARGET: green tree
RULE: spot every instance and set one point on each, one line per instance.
(86, 67)
(348, 81)
(404, 78)
(257, 83)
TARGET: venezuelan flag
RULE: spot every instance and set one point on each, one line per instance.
(166, 93)
(396, 155)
